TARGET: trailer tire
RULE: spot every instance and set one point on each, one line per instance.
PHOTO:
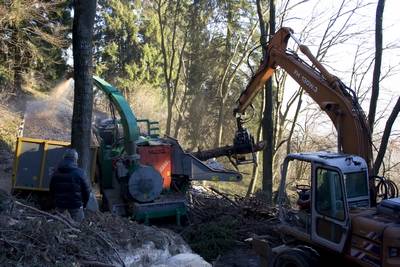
(294, 257)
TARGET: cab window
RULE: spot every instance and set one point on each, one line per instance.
(329, 194)
(356, 184)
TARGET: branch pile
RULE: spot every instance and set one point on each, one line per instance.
(31, 237)
(219, 221)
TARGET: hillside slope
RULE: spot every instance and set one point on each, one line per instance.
(9, 124)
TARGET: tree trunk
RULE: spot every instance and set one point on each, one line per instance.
(220, 121)
(169, 115)
(385, 137)
(17, 79)
(267, 122)
(268, 137)
(224, 84)
(17, 69)
(296, 114)
(378, 63)
(82, 32)
(169, 56)
(254, 176)
(178, 125)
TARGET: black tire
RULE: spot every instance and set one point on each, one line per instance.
(294, 257)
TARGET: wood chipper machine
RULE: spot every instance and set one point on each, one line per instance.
(139, 173)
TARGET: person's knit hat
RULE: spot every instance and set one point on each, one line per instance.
(70, 154)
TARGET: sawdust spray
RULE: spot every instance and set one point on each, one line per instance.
(50, 118)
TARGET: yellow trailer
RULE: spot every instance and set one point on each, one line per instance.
(36, 160)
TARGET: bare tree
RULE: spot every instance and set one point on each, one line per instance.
(390, 167)
(364, 60)
(376, 79)
(385, 137)
(171, 50)
(227, 80)
(378, 63)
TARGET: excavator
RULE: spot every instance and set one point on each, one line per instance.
(336, 215)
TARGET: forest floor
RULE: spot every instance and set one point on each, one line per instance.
(218, 223)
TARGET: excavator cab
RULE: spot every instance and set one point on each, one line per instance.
(319, 212)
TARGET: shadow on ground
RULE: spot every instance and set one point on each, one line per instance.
(6, 161)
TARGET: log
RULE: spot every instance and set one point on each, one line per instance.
(228, 151)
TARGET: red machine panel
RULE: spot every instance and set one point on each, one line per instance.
(158, 156)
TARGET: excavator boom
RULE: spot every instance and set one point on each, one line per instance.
(333, 97)
(334, 213)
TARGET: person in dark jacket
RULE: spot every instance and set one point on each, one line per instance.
(68, 186)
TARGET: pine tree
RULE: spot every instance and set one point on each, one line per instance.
(125, 51)
(33, 36)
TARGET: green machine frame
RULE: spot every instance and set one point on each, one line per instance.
(130, 128)
(107, 153)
